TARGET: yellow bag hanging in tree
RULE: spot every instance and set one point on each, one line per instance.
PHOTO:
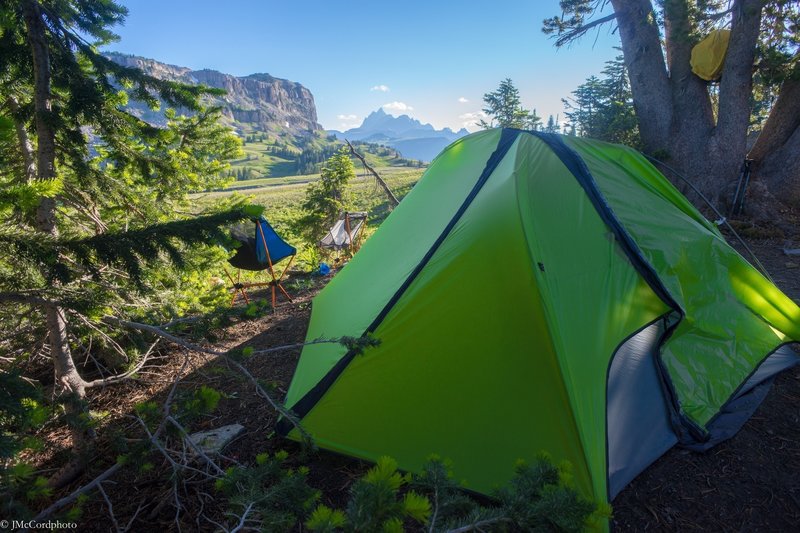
(708, 56)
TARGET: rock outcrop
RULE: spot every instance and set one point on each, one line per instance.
(264, 102)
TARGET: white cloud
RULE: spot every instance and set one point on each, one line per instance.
(348, 121)
(397, 106)
(472, 119)
(462, 100)
(381, 88)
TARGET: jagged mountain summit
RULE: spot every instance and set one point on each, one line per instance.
(263, 102)
(412, 138)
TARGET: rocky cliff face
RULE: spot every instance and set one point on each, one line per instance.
(264, 102)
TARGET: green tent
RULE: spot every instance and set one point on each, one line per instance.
(537, 292)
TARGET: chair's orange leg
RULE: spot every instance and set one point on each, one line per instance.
(285, 293)
(291, 260)
(237, 290)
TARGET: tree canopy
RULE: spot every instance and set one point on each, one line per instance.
(699, 127)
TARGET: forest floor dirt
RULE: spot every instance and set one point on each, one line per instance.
(748, 483)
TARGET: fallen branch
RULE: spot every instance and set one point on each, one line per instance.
(279, 407)
(110, 507)
(156, 330)
(243, 519)
(226, 355)
(102, 382)
(392, 198)
(197, 449)
(68, 499)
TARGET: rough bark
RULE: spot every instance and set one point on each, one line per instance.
(692, 109)
(641, 47)
(736, 84)
(43, 106)
(780, 170)
(673, 106)
(714, 158)
(776, 153)
(783, 121)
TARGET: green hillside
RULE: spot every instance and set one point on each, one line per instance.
(271, 154)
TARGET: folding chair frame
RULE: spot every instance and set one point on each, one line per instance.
(353, 244)
(275, 283)
(353, 247)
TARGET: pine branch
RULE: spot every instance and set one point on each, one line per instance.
(581, 30)
(110, 471)
(174, 93)
(480, 524)
(128, 249)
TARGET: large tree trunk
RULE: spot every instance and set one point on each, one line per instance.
(673, 106)
(68, 381)
(641, 47)
(776, 153)
(780, 170)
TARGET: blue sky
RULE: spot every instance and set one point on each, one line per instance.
(433, 60)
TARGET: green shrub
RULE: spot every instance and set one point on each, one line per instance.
(274, 497)
(539, 497)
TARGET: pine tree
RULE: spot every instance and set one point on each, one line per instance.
(552, 125)
(89, 191)
(504, 108)
(327, 197)
(602, 108)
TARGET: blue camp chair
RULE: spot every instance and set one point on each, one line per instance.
(261, 251)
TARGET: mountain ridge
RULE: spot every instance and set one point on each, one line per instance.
(408, 135)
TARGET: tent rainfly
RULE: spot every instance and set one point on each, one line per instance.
(538, 292)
